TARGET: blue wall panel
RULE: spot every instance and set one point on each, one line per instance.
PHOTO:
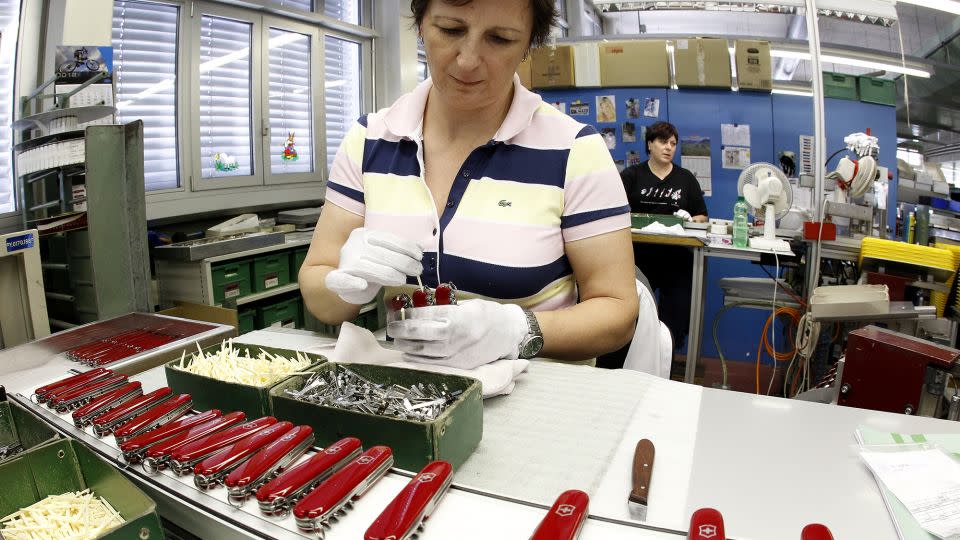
(776, 123)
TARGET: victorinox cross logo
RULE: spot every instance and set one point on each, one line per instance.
(566, 510)
(708, 531)
(363, 460)
(426, 477)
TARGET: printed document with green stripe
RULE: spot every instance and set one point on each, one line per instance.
(938, 504)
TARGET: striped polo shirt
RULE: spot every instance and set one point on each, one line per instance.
(543, 180)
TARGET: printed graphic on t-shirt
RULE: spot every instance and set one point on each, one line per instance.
(662, 195)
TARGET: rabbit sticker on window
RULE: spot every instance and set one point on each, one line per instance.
(289, 151)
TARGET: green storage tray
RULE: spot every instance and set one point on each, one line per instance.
(874, 90)
(271, 271)
(639, 221)
(210, 393)
(451, 437)
(20, 426)
(246, 320)
(296, 261)
(230, 280)
(67, 465)
(285, 313)
(839, 85)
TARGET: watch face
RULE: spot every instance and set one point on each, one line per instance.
(531, 347)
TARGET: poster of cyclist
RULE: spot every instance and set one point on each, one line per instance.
(78, 63)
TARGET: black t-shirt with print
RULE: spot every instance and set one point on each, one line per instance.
(649, 195)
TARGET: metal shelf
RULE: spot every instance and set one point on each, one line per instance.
(83, 114)
(261, 295)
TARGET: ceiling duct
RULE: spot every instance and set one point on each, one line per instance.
(877, 12)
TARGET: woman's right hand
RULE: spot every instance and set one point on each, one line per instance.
(369, 260)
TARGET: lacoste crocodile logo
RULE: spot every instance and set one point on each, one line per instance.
(505, 203)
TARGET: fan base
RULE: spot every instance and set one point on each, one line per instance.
(766, 244)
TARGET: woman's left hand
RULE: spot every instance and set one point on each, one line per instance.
(466, 336)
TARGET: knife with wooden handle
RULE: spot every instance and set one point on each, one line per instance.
(816, 531)
(706, 524)
(642, 473)
(566, 517)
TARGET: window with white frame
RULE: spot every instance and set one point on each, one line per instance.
(9, 23)
(145, 75)
(342, 90)
(226, 103)
(305, 5)
(344, 10)
(290, 102)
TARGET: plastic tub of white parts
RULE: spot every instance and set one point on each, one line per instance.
(64, 488)
(237, 377)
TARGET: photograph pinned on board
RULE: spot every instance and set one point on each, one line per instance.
(560, 106)
(629, 132)
(579, 108)
(620, 165)
(606, 109)
(633, 158)
(633, 108)
(651, 107)
(736, 157)
(610, 137)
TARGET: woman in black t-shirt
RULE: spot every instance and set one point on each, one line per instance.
(658, 186)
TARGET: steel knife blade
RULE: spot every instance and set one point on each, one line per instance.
(638, 500)
(566, 517)
(405, 514)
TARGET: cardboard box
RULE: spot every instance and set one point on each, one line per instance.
(586, 62)
(525, 71)
(702, 63)
(635, 63)
(205, 313)
(754, 68)
(552, 67)
(452, 436)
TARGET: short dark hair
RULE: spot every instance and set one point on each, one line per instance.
(662, 130)
(544, 16)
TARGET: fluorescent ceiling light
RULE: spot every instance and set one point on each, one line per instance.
(791, 92)
(834, 58)
(950, 6)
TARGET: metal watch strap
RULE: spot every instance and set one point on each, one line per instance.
(533, 333)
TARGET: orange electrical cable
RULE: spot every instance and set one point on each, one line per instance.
(764, 342)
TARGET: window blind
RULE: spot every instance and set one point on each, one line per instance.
(342, 90)
(305, 5)
(344, 10)
(9, 21)
(145, 75)
(290, 103)
(225, 98)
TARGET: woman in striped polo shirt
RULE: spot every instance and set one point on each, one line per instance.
(472, 179)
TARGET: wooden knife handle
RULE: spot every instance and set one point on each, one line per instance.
(642, 471)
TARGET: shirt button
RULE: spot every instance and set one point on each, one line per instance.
(434, 231)
(466, 174)
(450, 204)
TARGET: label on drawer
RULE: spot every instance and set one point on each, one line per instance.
(271, 281)
(232, 291)
(289, 323)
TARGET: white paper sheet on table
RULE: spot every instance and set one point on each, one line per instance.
(926, 481)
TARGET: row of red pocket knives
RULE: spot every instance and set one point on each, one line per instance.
(246, 456)
(108, 350)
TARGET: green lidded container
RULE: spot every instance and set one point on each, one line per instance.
(452, 437)
(246, 320)
(296, 261)
(839, 85)
(209, 393)
(271, 271)
(639, 221)
(876, 90)
(20, 426)
(230, 280)
(67, 465)
(285, 314)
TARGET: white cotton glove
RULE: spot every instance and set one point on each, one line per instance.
(467, 335)
(683, 214)
(369, 260)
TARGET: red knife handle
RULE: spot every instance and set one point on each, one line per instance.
(349, 482)
(218, 465)
(170, 409)
(191, 454)
(140, 443)
(277, 454)
(107, 422)
(706, 524)
(280, 493)
(816, 531)
(45, 391)
(85, 414)
(413, 504)
(158, 454)
(80, 394)
(566, 517)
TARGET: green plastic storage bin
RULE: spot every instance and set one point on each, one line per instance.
(230, 280)
(839, 85)
(285, 313)
(874, 90)
(18, 426)
(246, 321)
(271, 271)
(296, 261)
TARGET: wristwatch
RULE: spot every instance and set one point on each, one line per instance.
(532, 343)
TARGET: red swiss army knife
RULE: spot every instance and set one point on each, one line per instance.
(134, 448)
(279, 494)
(214, 468)
(566, 517)
(262, 466)
(160, 453)
(83, 416)
(405, 514)
(184, 458)
(170, 409)
(107, 422)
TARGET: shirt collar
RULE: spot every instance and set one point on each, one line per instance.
(405, 117)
